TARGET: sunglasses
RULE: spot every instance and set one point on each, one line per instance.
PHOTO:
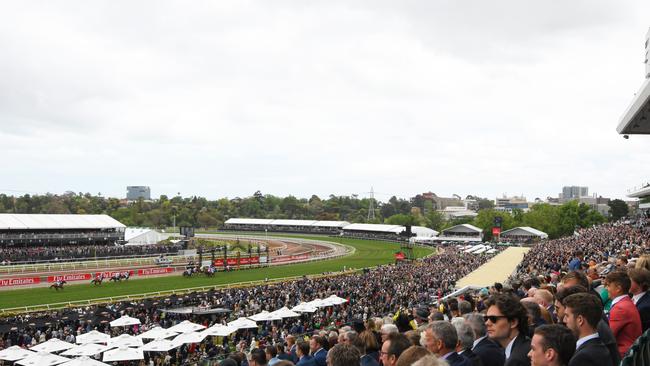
(493, 318)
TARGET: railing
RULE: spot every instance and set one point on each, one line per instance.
(83, 264)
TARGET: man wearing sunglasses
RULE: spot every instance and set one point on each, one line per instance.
(507, 324)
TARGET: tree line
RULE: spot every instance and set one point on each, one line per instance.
(556, 220)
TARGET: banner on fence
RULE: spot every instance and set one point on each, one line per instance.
(154, 271)
(236, 261)
(5, 282)
(289, 258)
(70, 277)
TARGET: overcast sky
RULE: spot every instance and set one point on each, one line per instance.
(223, 98)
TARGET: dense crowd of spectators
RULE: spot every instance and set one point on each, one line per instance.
(584, 307)
(71, 252)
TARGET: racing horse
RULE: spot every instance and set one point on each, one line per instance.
(118, 277)
(58, 285)
(97, 280)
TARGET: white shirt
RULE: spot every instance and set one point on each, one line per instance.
(617, 299)
(637, 297)
(584, 339)
(476, 342)
(509, 348)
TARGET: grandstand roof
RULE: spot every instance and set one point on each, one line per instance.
(43, 221)
(463, 228)
(524, 231)
(285, 222)
(636, 119)
(375, 227)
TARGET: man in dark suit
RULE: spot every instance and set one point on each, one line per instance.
(640, 278)
(490, 353)
(552, 345)
(582, 312)
(441, 339)
(466, 342)
(316, 344)
(302, 352)
(506, 320)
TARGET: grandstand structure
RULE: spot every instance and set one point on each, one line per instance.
(636, 121)
(44, 229)
(386, 232)
(285, 226)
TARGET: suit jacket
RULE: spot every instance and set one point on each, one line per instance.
(306, 360)
(367, 360)
(608, 339)
(293, 356)
(490, 353)
(519, 352)
(643, 306)
(454, 359)
(472, 357)
(320, 357)
(625, 322)
(593, 353)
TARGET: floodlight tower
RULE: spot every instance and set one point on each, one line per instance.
(371, 205)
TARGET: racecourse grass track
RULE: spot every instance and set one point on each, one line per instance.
(367, 254)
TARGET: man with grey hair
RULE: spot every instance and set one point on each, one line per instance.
(466, 342)
(440, 338)
(386, 330)
(489, 352)
(343, 355)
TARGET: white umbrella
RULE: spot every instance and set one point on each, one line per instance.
(52, 345)
(88, 349)
(242, 323)
(304, 307)
(15, 353)
(159, 345)
(125, 321)
(84, 361)
(264, 316)
(189, 337)
(220, 330)
(93, 337)
(284, 312)
(123, 354)
(317, 303)
(124, 340)
(157, 332)
(43, 359)
(335, 300)
(186, 326)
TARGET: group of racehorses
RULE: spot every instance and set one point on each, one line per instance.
(99, 278)
(192, 270)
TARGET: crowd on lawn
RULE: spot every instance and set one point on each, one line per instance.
(29, 254)
(574, 301)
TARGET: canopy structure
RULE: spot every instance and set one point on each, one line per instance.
(523, 233)
(125, 340)
(125, 321)
(93, 337)
(159, 345)
(189, 337)
(243, 323)
(52, 345)
(123, 354)
(461, 233)
(220, 330)
(142, 236)
(41, 359)
(84, 361)
(186, 326)
(57, 222)
(157, 332)
(88, 349)
(265, 316)
(15, 353)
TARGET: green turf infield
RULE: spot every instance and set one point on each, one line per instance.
(367, 254)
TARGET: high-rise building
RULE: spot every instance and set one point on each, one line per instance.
(134, 193)
(574, 192)
(511, 203)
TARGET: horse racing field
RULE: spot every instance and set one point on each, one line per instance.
(367, 254)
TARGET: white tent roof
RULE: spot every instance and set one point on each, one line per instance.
(39, 221)
(463, 228)
(422, 231)
(293, 222)
(248, 221)
(524, 231)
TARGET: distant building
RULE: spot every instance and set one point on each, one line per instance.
(134, 193)
(600, 204)
(440, 203)
(574, 192)
(510, 203)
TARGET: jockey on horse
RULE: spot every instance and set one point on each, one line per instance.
(98, 279)
(58, 285)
